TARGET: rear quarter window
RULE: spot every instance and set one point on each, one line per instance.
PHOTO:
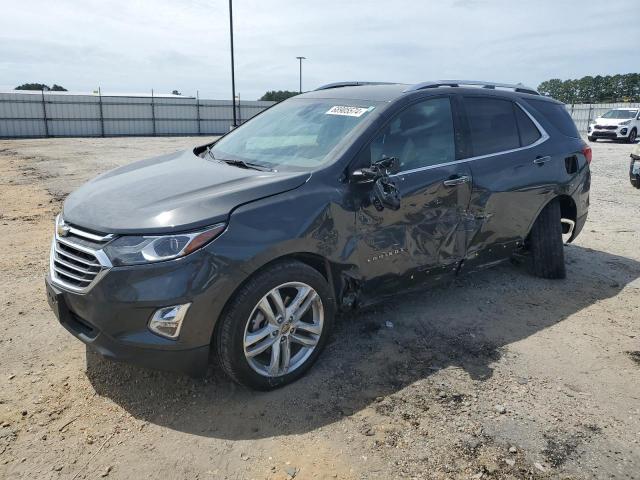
(557, 115)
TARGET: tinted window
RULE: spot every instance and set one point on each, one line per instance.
(420, 136)
(493, 125)
(620, 114)
(528, 131)
(557, 115)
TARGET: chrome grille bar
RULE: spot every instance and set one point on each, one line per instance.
(70, 256)
(74, 266)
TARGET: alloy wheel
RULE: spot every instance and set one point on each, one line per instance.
(283, 329)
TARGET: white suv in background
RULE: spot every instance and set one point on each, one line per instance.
(616, 124)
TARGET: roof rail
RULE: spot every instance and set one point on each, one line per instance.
(518, 87)
(350, 84)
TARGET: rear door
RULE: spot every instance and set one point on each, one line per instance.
(421, 240)
(514, 172)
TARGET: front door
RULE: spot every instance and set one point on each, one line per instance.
(422, 240)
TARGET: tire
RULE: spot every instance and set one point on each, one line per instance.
(633, 134)
(592, 139)
(546, 245)
(246, 315)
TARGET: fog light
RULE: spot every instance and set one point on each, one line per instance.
(167, 321)
(623, 131)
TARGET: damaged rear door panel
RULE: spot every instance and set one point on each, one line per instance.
(515, 173)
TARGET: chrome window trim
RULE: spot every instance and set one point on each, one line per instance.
(544, 136)
(99, 254)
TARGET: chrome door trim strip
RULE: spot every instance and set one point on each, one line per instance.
(544, 136)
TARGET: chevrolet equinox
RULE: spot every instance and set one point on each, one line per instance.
(249, 246)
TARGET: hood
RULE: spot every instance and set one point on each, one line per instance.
(170, 193)
(610, 121)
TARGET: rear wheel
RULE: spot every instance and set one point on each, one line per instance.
(275, 326)
(546, 245)
(632, 136)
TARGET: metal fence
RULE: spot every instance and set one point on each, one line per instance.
(49, 114)
(584, 113)
(54, 114)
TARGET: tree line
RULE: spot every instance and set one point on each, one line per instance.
(278, 95)
(41, 86)
(598, 89)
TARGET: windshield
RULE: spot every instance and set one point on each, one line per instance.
(297, 133)
(620, 114)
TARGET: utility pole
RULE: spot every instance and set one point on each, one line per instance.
(233, 74)
(300, 59)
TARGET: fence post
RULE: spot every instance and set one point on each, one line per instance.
(198, 110)
(101, 114)
(239, 111)
(590, 110)
(44, 115)
(153, 114)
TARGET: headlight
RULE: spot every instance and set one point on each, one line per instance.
(628, 122)
(134, 250)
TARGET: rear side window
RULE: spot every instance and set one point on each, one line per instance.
(493, 125)
(557, 115)
(529, 133)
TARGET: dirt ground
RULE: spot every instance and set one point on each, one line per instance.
(501, 375)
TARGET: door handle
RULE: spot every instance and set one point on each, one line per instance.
(459, 180)
(541, 160)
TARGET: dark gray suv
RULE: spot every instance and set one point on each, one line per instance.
(248, 246)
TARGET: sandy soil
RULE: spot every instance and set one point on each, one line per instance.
(500, 375)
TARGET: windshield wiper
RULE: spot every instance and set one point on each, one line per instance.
(211, 153)
(247, 165)
(239, 163)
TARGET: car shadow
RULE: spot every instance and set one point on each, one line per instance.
(375, 352)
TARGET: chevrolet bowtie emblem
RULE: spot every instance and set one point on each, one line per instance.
(63, 230)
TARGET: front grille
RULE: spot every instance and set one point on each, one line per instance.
(606, 127)
(605, 134)
(76, 267)
(77, 260)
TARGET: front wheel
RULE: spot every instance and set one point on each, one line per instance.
(546, 245)
(632, 136)
(275, 326)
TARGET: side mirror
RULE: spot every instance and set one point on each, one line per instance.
(384, 193)
(382, 168)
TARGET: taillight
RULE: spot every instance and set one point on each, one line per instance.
(586, 151)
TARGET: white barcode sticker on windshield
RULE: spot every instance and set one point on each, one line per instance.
(348, 111)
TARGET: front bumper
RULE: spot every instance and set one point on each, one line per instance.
(191, 361)
(112, 317)
(617, 133)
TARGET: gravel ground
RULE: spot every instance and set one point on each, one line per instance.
(500, 375)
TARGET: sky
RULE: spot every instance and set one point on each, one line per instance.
(127, 46)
